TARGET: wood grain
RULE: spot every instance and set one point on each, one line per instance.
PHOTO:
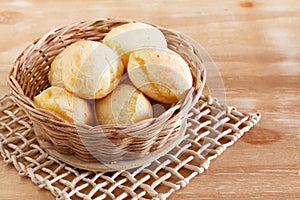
(255, 45)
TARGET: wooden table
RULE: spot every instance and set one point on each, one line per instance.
(256, 48)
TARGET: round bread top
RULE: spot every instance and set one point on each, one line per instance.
(132, 36)
(89, 69)
(161, 74)
(125, 105)
(65, 105)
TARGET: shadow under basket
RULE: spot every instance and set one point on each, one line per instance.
(117, 146)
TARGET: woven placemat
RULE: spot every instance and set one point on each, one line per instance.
(212, 128)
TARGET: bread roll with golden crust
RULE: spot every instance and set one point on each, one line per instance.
(125, 105)
(160, 74)
(89, 69)
(65, 105)
(132, 36)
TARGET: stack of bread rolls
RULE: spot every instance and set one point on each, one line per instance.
(88, 71)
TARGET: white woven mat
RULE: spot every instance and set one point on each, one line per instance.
(212, 128)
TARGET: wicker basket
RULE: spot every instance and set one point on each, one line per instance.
(29, 77)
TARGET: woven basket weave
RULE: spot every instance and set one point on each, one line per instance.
(29, 77)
